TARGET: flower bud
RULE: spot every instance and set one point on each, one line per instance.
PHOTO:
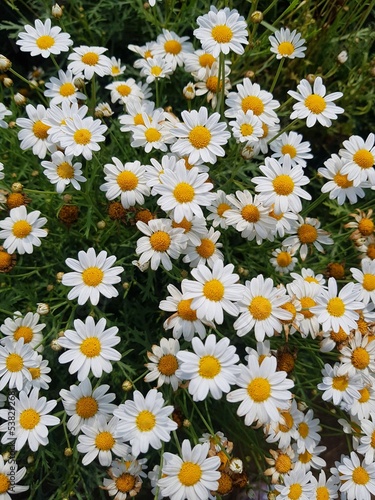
(17, 187)
(127, 386)
(256, 17)
(8, 82)
(189, 91)
(42, 309)
(57, 11)
(19, 99)
(342, 57)
(5, 63)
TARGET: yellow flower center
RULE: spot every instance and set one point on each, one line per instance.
(29, 419)
(339, 336)
(342, 181)
(362, 325)
(336, 307)
(221, 208)
(225, 484)
(315, 103)
(184, 224)
(138, 119)
(295, 491)
(307, 233)
(289, 421)
(360, 476)
(168, 364)
(253, 103)
(86, 407)
(365, 395)
(91, 347)
(250, 213)
(283, 463)
(322, 493)
(115, 70)
(290, 307)
(363, 158)
(200, 137)
(92, 276)
(24, 332)
(260, 308)
(222, 33)
(67, 89)
(152, 135)
(104, 441)
(14, 362)
(123, 89)
(311, 279)
(156, 70)
(206, 248)
(82, 136)
(185, 311)
(184, 192)
(283, 185)
(21, 229)
(366, 226)
(303, 429)
(213, 290)
(246, 129)
(65, 170)
(360, 358)
(340, 383)
(285, 48)
(206, 60)
(306, 303)
(212, 83)
(125, 482)
(265, 130)
(189, 474)
(45, 42)
(4, 483)
(40, 130)
(368, 282)
(148, 54)
(35, 373)
(290, 150)
(259, 389)
(209, 367)
(371, 251)
(160, 241)
(145, 421)
(5, 260)
(127, 180)
(373, 439)
(90, 58)
(172, 47)
(284, 259)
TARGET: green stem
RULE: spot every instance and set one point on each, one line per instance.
(314, 204)
(157, 98)
(288, 127)
(55, 62)
(281, 63)
(93, 94)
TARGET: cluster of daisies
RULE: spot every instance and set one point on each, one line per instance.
(177, 181)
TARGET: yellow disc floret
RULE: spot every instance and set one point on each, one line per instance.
(285, 48)
(260, 308)
(91, 347)
(222, 33)
(315, 103)
(29, 419)
(213, 290)
(90, 58)
(127, 180)
(160, 241)
(283, 185)
(259, 389)
(145, 421)
(200, 137)
(209, 367)
(189, 474)
(86, 407)
(45, 42)
(92, 276)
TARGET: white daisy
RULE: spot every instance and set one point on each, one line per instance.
(284, 221)
(183, 192)
(211, 369)
(306, 232)
(145, 421)
(59, 115)
(156, 169)
(222, 30)
(198, 62)
(9, 477)
(43, 40)
(324, 488)
(283, 431)
(365, 404)
(63, 88)
(211, 85)
(39, 377)
(26, 327)
(357, 479)
(125, 91)
(307, 432)
(200, 136)
(161, 243)
(285, 43)
(125, 479)
(281, 185)
(358, 357)
(367, 441)
(260, 309)
(172, 48)
(264, 391)
(89, 61)
(218, 208)
(195, 229)
(83, 404)
(4, 112)
(116, 67)
(34, 131)
(213, 291)
(89, 348)
(155, 68)
(314, 104)
(145, 51)
(339, 387)
(133, 116)
(297, 485)
(306, 293)
(309, 276)
(291, 144)
(62, 171)
(81, 136)
(247, 127)
(15, 360)
(22, 231)
(126, 180)
(93, 275)
(360, 159)
(366, 278)
(310, 459)
(152, 134)
(206, 252)
(190, 477)
(283, 260)
(164, 363)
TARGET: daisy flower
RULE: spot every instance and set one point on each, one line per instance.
(283, 260)
(366, 278)
(4, 112)
(211, 85)
(249, 216)
(283, 431)
(283, 221)
(307, 432)
(357, 480)
(307, 232)
(211, 369)
(310, 460)
(213, 291)
(198, 62)
(338, 387)
(314, 104)
(260, 309)
(89, 61)
(358, 357)
(9, 477)
(161, 243)
(101, 439)
(126, 180)
(16, 358)
(22, 231)
(281, 185)
(222, 30)
(192, 476)
(218, 208)
(247, 127)
(281, 463)
(291, 144)
(297, 485)
(145, 51)
(285, 43)
(309, 276)
(359, 156)
(152, 134)
(92, 275)
(116, 68)
(90, 348)
(249, 96)
(195, 229)
(155, 68)
(306, 294)
(339, 186)
(63, 88)
(43, 40)
(183, 192)
(125, 91)
(58, 116)
(61, 171)
(263, 391)
(134, 110)
(200, 136)
(164, 363)
(83, 404)
(145, 421)
(34, 131)
(184, 320)
(324, 488)
(365, 404)
(125, 481)
(172, 48)
(39, 377)
(81, 136)
(206, 252)
(334, 311)
(26, 327)
(156, 169)
(367, 447)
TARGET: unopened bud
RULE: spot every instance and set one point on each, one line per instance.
(57, 11)
(236, 465)
(55, 346)
(59, 277)
(250, 74)
(68, 452)
(5, 63)
(67, 198)
(103, 109)
(186, 423)
(19, 99)
(256, 17)
(100, 224)
(189, 91)
(310, 78)
(30, 459)
(79, 83)
(42, 309)
(6, 455)
(127, 386)
(17, 187)
(8, 82)
(342, 57)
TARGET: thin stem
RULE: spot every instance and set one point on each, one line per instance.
(288, 127)
(157, 98)
(281, 63)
